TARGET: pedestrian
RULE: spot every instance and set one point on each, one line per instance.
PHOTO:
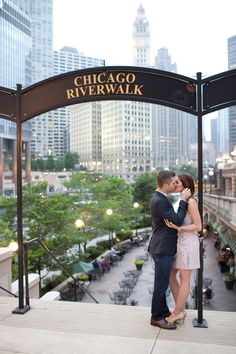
(163, 243)
(187, 257)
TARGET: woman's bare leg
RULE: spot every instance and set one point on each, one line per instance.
(184, 290)
(174, 284)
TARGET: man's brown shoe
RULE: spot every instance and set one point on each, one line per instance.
(163, 324)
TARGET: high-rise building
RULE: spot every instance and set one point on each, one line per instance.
(126, 126)
(41, 14)
(65, 60)
(232, 110)
(171, 128)
(85, 134)
(222, 147)
(15, 42)
(214, 133)
(77, 127)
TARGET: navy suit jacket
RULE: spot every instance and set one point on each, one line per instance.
(164, 238)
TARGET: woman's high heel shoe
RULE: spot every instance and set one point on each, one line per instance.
(181, 321)
(176, 318)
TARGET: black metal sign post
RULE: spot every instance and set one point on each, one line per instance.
(21, 309)
(199, 321)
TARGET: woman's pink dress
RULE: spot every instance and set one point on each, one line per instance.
(187, 256)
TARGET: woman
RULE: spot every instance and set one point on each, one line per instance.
(187, 256)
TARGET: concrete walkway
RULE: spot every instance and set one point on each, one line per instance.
(62, 327)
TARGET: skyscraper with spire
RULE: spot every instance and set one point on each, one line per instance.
(126, 126)
(141, 39)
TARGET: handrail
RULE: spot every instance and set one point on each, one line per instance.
(7, 291)
(26, 243)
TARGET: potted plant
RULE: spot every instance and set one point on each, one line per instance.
(139, 264)
(229, 280)
(82, 277)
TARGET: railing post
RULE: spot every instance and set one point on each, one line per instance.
(21, 309)
(75, 289)
(27, 298)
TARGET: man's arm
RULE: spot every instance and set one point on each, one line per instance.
(166, 211)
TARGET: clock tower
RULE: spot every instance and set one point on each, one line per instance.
(141, 39)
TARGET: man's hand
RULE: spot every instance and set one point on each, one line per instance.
(185, 194)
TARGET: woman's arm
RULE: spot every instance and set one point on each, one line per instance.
(194, 212)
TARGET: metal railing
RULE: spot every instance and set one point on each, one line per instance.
(8, 291)
(76, 283)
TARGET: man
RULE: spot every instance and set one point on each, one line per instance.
(163, 244)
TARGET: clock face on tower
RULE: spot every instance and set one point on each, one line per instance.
(141, 42)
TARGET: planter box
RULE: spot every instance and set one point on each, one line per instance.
(139, 266)
(229, 284)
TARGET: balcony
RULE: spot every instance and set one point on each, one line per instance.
(223, 207)
(68, 327)
(220, 212)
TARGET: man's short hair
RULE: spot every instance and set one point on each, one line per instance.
(164, 177)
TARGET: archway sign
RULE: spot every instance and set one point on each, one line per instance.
(195, 96)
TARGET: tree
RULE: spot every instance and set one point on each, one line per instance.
(6, 234)
(143, 188)
(59, 165)
(189, 169)
(50, 163)
(71, 159)
(47, 218)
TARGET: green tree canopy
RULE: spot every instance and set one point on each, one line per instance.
(143, 188)
(71, 159)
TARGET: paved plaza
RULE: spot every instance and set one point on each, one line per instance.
(223, 299)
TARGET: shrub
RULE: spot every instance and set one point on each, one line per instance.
(52, 282)
(93, 252)
(124, 235)
(104, 244)
(139, 262)
(82, 277)
(228, 276)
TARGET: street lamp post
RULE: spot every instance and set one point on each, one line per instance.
(109, 212)
(136, 205)
(220, 167)
(211, 174)
(205, 182)
(79, 225)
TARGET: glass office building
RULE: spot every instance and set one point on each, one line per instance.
(15, 67)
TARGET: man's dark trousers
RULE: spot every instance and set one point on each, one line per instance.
(163, 266)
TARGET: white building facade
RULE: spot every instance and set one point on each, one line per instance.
(83, 121)
(126, 126)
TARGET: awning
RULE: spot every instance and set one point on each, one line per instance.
(228, 240)
(82, 267)
(214, 222)
(220, 229)
(226, 237)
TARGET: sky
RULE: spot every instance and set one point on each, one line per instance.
(194, 32)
